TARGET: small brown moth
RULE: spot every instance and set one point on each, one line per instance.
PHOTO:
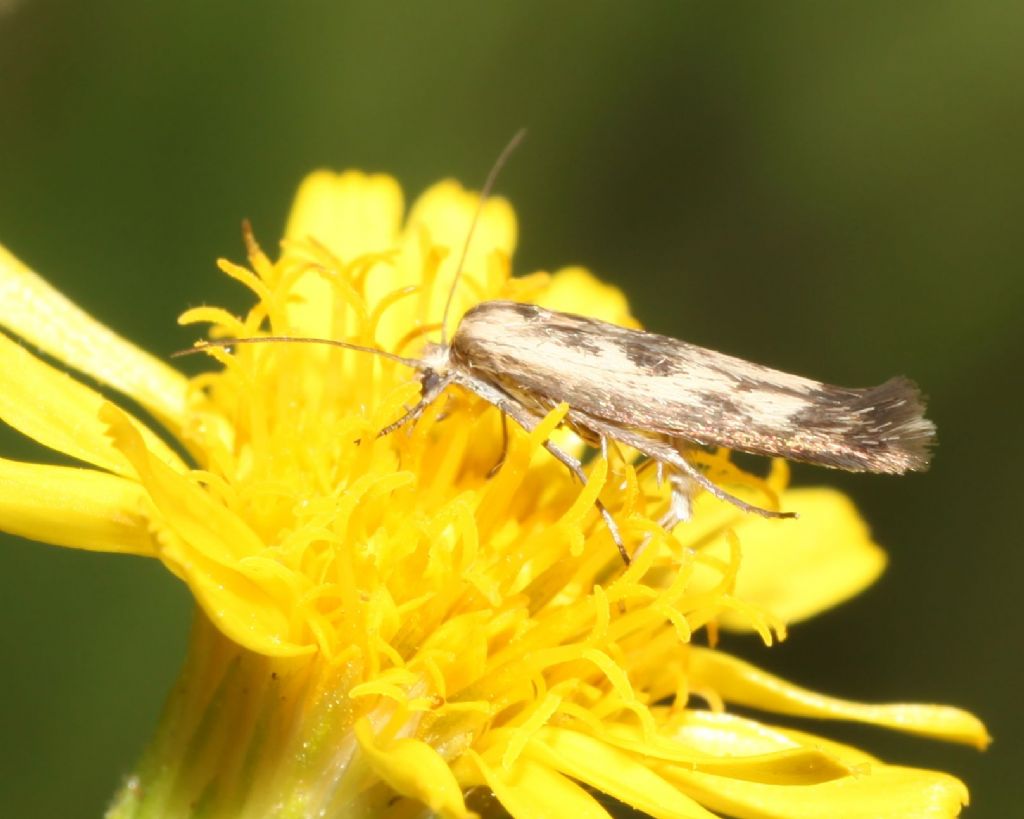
(655, 394)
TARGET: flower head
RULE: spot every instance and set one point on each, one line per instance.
(422, 620)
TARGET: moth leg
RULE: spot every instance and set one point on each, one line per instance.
(504, 446)
(646, 465)
(410, 415)
(697, 477)
(680, 500)
(680, 491)
(660, 450)
(528, 421)
(681, 488)
(577, 469)
(430, 393)
(613, 446)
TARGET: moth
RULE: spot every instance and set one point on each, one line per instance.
(657, 395)
(662, 397)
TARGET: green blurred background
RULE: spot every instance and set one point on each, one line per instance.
(836, 189)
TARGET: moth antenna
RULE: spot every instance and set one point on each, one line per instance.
(485, 193)
(415, 363)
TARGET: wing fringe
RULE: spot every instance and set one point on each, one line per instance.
(887, 426)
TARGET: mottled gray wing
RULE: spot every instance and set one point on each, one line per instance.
(665, 387)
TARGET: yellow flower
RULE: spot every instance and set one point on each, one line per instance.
(387, 625)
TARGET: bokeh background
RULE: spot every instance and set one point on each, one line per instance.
(836, 189)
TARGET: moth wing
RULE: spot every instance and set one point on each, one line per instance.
(665, 387)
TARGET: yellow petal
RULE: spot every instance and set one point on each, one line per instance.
(350, 214)
(875, 792)
(414, 769)
(206, 546)
(577, 290)
(719, 734)
(61, 413)
(32, 309)
(67, 506)
(795, 569)
(787, 762)
(533, 791)
(744, 684)
(614, 772)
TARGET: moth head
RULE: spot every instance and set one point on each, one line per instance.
(436, 362)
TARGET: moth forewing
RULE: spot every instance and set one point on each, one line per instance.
(661, 389)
